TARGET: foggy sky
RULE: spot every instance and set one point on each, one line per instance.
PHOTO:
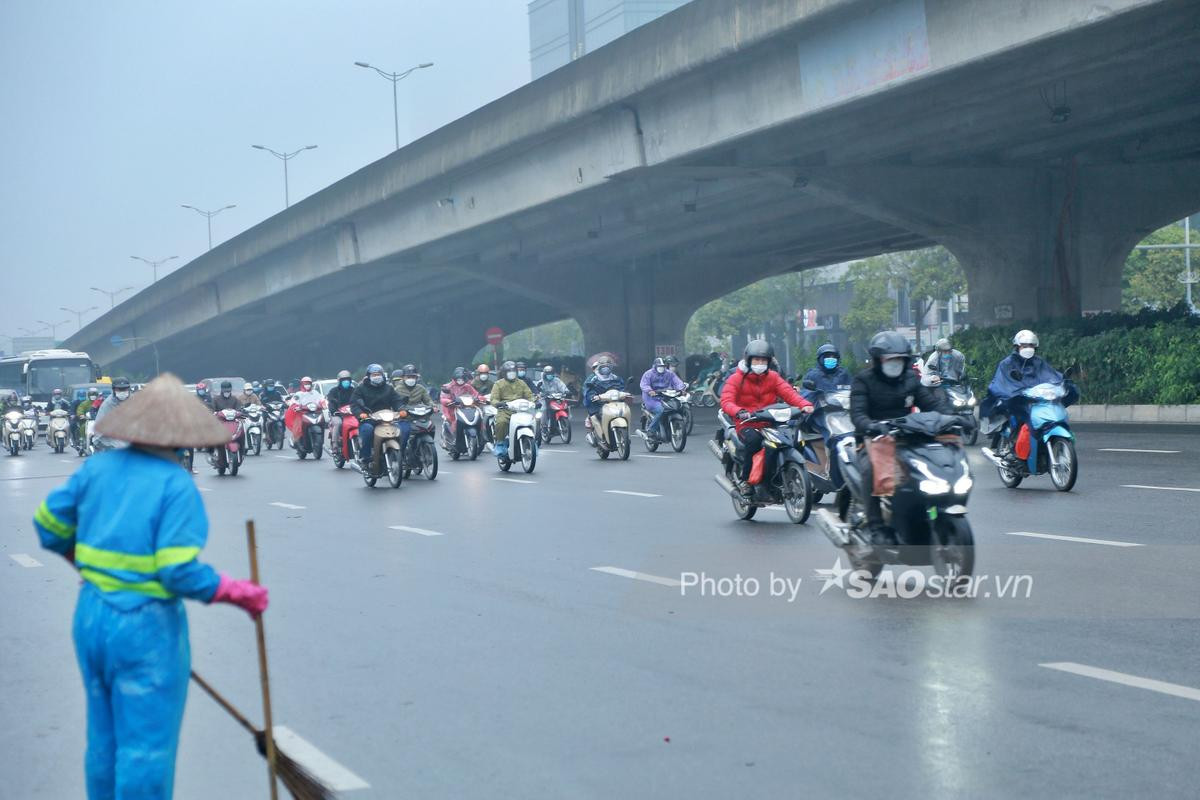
(114, 113)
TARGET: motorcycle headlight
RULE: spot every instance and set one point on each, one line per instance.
(971, 401)
(958, 401)
(963, 484)
(934, 486)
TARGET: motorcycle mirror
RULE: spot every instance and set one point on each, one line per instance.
(809, 383)
(1069, 371)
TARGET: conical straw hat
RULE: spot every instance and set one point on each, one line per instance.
(164, 414)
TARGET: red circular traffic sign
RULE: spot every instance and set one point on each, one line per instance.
(494, 335)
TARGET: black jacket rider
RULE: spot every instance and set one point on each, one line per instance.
(875, 397)
(338, 397)
(368, 398)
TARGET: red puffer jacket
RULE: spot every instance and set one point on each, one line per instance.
(746, 390)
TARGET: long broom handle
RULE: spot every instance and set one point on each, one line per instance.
(262, 665)
(225, 704)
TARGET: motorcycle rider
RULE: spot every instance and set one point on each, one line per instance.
(828, 374)
(654, 380)
(58, 402)
(551, 383)
(1021, 369)
(81, 411)
(226, 398)
(945, 364)
(602, 379)
(523, 374)
(410, 388)
(120, 394)
(510, 387)
(11, 402)
(272, 392)
(248, 397)
(340, 395)
(886, 390)
(453, 390)
(373, 394)
(484, 380)
(752, 387)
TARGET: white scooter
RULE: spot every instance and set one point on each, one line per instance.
(612, 433)
(522, 435)
(58, 431)
(29, 428)
(12, 432)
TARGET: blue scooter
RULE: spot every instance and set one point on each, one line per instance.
(1043, 408)
(828, 428)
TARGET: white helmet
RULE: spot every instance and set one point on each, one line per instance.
(1025, 338)
(248, 388)
(943, 344)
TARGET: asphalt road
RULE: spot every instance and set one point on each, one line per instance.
(493, 660)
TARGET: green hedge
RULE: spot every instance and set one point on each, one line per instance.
(1149, 357)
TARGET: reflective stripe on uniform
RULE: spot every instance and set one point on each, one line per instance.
(112, 559)
(45, 517)
(107, 583)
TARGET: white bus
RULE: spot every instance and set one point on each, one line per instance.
(37, 373)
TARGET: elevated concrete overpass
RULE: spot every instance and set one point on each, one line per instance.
(725, 142)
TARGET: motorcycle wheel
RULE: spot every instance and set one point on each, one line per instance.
(474, 447)
(303, 455)
(679, 434)
(973, 439)
(545, 432)
(953, 553)
(797, 493)
(1063, 476)
(234, 463)
(528, 458)
(335, 453)
(708, 401)
(651, 443)
(621, 439)
(564, 430)
(745, 510)
(604, 453)
(318, 444)
(429, 460)
(258, 445)
(1009, 478)
(504, 463)
(394, 472)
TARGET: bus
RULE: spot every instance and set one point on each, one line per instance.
(37, 373)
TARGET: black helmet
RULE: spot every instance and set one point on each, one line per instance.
(396, 375)
(658, 362)
(344, 375)
(460, 372)
(120, 383)
(889, 343)
(507, 365)
(226, 385)
(411, 369)
(520, 365)
(759, 348)
(827, 349)
(672, 360)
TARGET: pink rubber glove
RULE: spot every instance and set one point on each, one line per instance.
(244, 594)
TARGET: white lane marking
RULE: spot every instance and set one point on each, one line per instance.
(543, 449)
(649, 455)
(421, 531)
(65, 461)
(204, 488)
(1174, 689)
(1082, 539)
(631, 494)
(1163, 488)
(1133, 450)
(286, 458)
(637, 576)
(287, 505)
(513, 480)
(322, 767)
(25, 561)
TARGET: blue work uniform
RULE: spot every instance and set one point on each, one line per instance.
(135, 524)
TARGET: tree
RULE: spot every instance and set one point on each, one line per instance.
(932, 275)
(761, 306)
(871, 308)
(1151, 277)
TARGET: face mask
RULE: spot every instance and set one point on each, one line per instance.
(512, 376)
(345, 384)
(1026, 352)
(660, 370)
(485, 377)
(121, 395)
(376, 379)
(892, 367)
(829, 363)
(605, 372)
(758, 369)
(520, 373)
(460, 381)
(226, 392)
(410, 381)
(548, 377)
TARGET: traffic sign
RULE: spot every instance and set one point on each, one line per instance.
(494, 336)
(116, 341)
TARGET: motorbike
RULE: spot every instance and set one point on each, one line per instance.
(468, 439)
(254, 428)
(311, 424)
(962, 397)
(826, 431)
(686, 400)
(58, 430)
(386, 457)
(86, 445)
(927, 510)
(12, 431)
(489, 427)
(345, 450)
(273, 424)
(709, 392)
(29, 428)
(611, 435)
(556, 419)
(229, 456)
(673, 421)
(522, 436)
(786, 484)
(420, 453)
(1036, 438)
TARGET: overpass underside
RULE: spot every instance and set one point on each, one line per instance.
(1039, 166)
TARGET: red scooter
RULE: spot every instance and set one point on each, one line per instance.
(229, 457)
(305, 420)
(347, 448)
(556, 418)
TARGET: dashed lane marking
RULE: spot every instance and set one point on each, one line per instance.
(321, 766)
(289, 506)
(25, 561)
(1161, 488)
(651, 455)
(1173, 689)
(513, 480)
(637, 576)
(420, 531)
(1133, 450)
(631, 494)
(1081, 539)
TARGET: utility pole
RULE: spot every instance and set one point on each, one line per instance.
(285, 158)
(395, 78)
(208, 215)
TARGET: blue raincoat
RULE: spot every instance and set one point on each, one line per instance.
(595, 386)
(134, 523)
(1029, 373)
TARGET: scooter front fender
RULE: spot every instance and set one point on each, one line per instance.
(1057, 430)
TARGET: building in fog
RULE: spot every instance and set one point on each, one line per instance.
(561, 31)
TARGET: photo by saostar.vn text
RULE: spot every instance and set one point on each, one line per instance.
(857, 584)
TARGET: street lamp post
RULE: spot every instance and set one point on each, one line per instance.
(209, 215)
(154, 265)
(112, 296)
(117, 341)
(394, 77)
(78, 314)
(285, 158)
(53, 326)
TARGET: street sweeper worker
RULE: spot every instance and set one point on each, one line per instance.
(132, 522)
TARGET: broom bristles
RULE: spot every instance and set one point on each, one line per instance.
(299, 781)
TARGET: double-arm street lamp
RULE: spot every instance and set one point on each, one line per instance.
(285, 158)
(154, 265)
(78, 313)
(209, 215)
(53, 326)
(394, 77)
(112, 296)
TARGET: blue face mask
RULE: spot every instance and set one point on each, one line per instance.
(376, 379)
(520, 373)
(345, 384)
(829, 363)
(605, 372)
